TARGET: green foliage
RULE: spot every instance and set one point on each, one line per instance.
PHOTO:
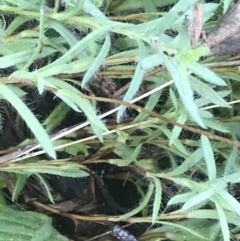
(156, 39)
(17, 225)
(21, 181)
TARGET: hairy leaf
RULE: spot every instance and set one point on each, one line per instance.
(30, 119)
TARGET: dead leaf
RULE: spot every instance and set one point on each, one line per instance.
(195, 25)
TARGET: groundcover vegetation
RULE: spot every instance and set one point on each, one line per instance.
(115, 116)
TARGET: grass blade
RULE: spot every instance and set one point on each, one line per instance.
(85, 106)
(180, 77)
(223, 221)
(136, 80)
(198, 199)
(181, 198)
(177, 130)
(141, 206)
(209, 158)
(21, 181)
(30, 119)
(157, 199)
(206, 74)
(207, 92)
(97, 61)
(231, 161)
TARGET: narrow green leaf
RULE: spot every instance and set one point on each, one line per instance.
(97, 61)
(187, 183)
(223, 221)
(17, 91)
(73, 150)
(177, 226)
(21, 181)
(136, 80)
(70, 103)
(63, 31)
(65, 173)
(40, 44)
(64, 68)
(226, 5)
(56, 117)
(230, 75)
(216, 125)
(151, 103)
(132, 4)
(120, 162)
(80, 47)
(203, 214)
(201, 102)
(177, 142)
(136, 152)
(209, 158)
(141, 205)
(173, 98)
(90, 8)
(30, 119)
(198, 199)
(17, 21)
(157, 199)
(231, 201)
(49, 194)
(230, 165)
(149, 6)
(184, 40)
(61, 84)
(125, 152)
(181, 198)
(207, 92)
(15, 58)
(177, 130)
(152, 61)
(208, 12)
(158, 26)
(206, 74)
(40, 83)
(180, 77)
(96, 123)
(192, 55)
(189, 161)
(129, 53)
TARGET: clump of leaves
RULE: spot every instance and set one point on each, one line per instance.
(146, 53)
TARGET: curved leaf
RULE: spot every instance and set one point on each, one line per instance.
(98, 60)
(177, 130)
(30, 119)
(180, 77)
(206, 74)
(198, 199)
(209, 158)
(85, 106)
(157, 199)
(207, 92)
(223, 221)
(136, 80)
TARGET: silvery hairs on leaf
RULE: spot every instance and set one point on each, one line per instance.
(224, 38)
